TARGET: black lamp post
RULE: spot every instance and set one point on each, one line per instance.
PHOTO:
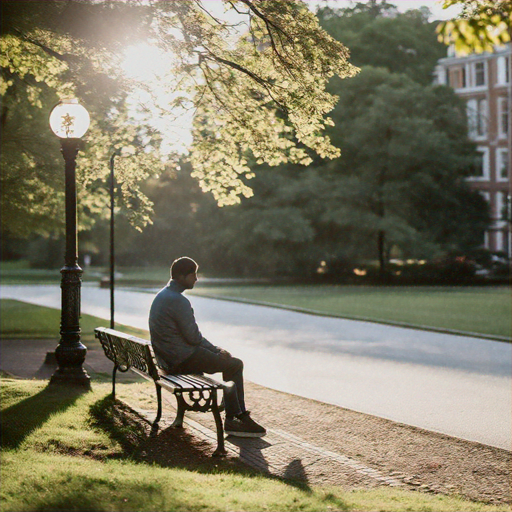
(69, 121)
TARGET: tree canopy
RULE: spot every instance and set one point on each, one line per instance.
(397, 188)
(404, 150)
(482, 25)
(52, 50)
(378, 35)
(257, 87)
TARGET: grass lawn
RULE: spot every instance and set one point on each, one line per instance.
(61, 451)
(19, 272)
(45, 322)
(481, 310)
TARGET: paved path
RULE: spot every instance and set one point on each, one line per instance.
(456, 385)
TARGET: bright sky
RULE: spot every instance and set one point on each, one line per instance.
(435, 6)
(147, 63)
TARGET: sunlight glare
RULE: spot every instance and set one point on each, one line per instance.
(153, 69)
(146, 62)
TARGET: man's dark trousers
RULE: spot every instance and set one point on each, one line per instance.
(206, 361)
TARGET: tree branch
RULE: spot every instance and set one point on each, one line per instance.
(236, 66)
(219, 22)
(49, 51)
(280, 32)
(258, 13)
(264, 83)
(237, 118)
(235, 8)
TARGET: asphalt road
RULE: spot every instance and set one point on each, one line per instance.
(457, 385)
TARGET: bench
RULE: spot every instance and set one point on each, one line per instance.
(193, 392)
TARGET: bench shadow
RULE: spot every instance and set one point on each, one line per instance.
(296, 476)
(168, 446)
(165, 446)
(21, 419)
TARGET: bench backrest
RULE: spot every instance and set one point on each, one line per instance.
(128, 351)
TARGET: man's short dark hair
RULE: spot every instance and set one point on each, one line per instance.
(183, 267)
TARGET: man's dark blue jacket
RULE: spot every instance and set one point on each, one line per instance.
(173, 328)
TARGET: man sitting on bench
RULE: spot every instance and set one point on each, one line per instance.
(180, 348)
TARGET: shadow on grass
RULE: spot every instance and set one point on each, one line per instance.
(22, 418)
(71, 501)
(167, 447)
(117, 420)
(176, 447)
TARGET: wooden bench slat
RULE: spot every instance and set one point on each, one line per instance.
(214, 382)
(179, 382)
(192, 381)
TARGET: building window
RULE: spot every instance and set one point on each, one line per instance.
(502, 164)
(480, 168)
(442, 75)
(498, 208)
(502, 242)
(482, 118)
(503, 117)
(503, 64)
(477, 117)
(477, 171)
(501, 214)
(471, 112)
(486, 240)
(479, 74)
(456, 78)
(487, 198)
(505, 211)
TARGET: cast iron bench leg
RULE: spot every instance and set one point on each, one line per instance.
(114, 382)
(159, 399)
(221, 450)
(178, 421)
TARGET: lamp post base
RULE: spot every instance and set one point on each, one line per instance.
(75, 377)
(70, 353)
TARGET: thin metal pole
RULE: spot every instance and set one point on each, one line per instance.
(509, 146)
(112, 259)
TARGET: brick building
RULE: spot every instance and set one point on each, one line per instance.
(484, 82)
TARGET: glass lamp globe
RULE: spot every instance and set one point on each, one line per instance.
(69, 119)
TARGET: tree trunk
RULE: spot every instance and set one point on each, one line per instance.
(382, 257)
